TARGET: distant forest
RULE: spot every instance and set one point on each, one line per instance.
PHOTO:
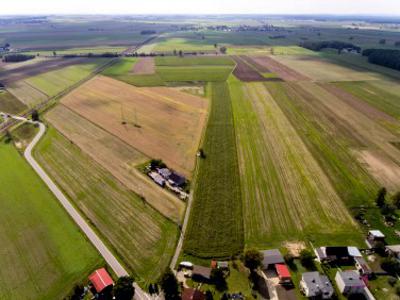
(318, 46)
(17, 57)
(384, 57)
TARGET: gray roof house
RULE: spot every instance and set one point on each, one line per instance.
(393, 250)
(316, 285)
(272, 257)
(349, 282)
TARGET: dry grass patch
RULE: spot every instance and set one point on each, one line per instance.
(144, 66)
(160, 122)
(115, 156)
(26, 93)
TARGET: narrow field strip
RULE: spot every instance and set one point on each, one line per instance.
(142, 238)
(215, 227)
(286, 194)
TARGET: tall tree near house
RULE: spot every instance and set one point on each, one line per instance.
(170, 286)
(253, 259)
(223, 49)
(35, 115)
(381, 197)
(123, 289)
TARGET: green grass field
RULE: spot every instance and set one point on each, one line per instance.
(141, 237)
(195, 73)
(215, 228)
(54, 82)
(94, 50)
(43, 253)
(10, 104)
(194, 61)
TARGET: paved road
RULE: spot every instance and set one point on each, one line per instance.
(79, 220)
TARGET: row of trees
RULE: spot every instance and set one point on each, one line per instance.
(388, 208)
(384, 57)
(318, 46)
(17, 57)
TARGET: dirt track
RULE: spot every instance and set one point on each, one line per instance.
(10, 76)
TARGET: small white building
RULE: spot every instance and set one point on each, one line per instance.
(349, 282)
(316, 285)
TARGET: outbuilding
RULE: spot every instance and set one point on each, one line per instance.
(283, 274)
(201, 273)
(316, 285)
(192, 294)
(374, 237)
(271, 258)
(349, 282)
(101, 280)
(393, 250)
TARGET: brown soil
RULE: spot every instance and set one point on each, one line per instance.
(160, 122)
(294, 248)
(281, 70)
(144, 66)
(245, 72)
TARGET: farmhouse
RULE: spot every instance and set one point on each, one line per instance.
(157, 178)
(393, 250)
(101, 280)
(350, 283)
(165, 173)
(336, 254)
(315, 285)
(192, 294)
(176, 180)
(201, 273)
(374, 237)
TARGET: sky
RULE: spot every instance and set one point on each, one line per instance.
(363, 7)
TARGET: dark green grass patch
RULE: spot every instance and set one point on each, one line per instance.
(10, 104)
(216, 223)
(194, 61)
(43, 253)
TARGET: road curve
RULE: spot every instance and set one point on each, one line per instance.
(78, 219)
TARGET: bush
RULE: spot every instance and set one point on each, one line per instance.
(307, 259)
(392, 281)
(289, 259)
(391, 265)
(253, 259)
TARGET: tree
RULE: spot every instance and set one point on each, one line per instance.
(381, 197)
(123, 289)
(54, 53)
(391, 265)
(307, 258)
(215, 45)
(218, 278)
(170, 285)
(77, 293)
(253, 259)
(396, 199)
(209, 295)
(175, 52)
(180, 53)
(223, 49)
(289, 260)
(9, 137)
(35, 115)
(382, 41)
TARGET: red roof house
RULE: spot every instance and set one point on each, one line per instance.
(283, 273)
(192, 294)
(100, 280)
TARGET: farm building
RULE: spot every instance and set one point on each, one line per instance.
(362, 266)
(165, 173)
(201, 273)
(157, 178)
(272, 257)
(393, 250)
(192, 294)
(315, 285)
(283, 274)
(176, 180)
(373, 237)
(336, 254)
(350, 283)
(101, 280)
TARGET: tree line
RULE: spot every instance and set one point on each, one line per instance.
(17, 57)
(318, 46)
(383, 57)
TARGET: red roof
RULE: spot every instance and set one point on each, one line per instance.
(282, 271)
(100, 279)
(192, 294)
(213, 264)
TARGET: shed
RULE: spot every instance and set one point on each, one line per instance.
(362, 266)
(393, 250)
(283, 273)
(272, 257)
(186, 264)
(101, 280)
(192, 294)
(201, 273)
(373, 237)
(316, 285)
(164, 172)
(222, 265)
(176, 179)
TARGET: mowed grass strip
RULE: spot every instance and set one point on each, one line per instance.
(10, 104)
(287, 196)
(216, 223)
(194, 73)
(142, 238)
(54, 82)
(43, 253)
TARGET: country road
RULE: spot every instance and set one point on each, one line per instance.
(74, 214)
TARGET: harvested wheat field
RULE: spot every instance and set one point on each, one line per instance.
(159, 122)
(284, 72)
(117, 157)
(144, 66)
